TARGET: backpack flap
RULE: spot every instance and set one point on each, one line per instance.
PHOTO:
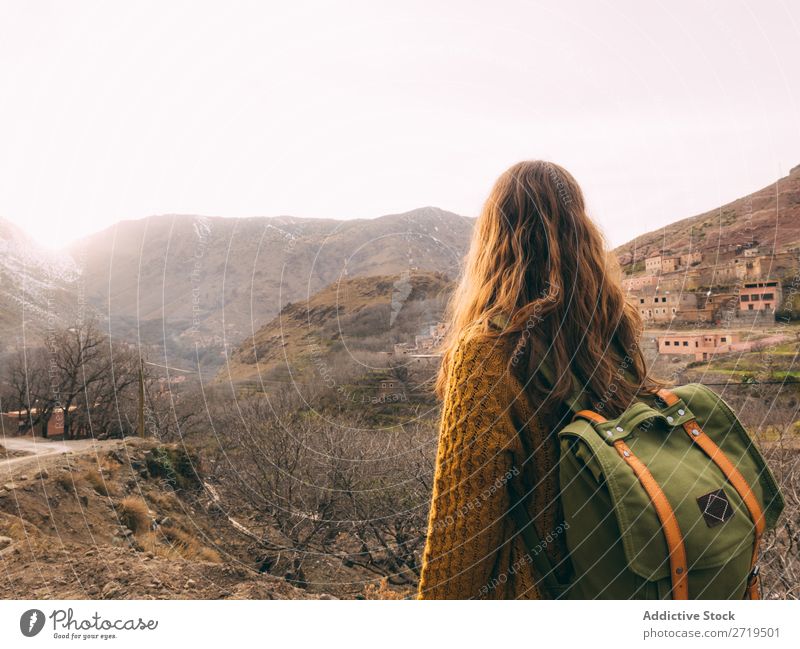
(687, 477)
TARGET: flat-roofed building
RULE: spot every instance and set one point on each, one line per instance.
(700, 314)
(670, 264)
(763, 295)
(18, 422)
(655, 305)
(653, 264)
(688, 279)
(691, 258)
(701, 345)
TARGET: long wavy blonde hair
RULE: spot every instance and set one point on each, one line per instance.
(538, 272)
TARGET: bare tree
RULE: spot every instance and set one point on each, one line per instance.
(80, 358)
(28, 389)
(176, 412)
(328, 487)
(80, 375)
(109, 402)
(780, 550)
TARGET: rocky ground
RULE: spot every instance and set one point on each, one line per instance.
(35, 569)
(121, 520)
(132, 520)
(7, 454)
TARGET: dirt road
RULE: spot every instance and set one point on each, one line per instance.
(41, 449)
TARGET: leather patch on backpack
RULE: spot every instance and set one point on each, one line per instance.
(716, 508)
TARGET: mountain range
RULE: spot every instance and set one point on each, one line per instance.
(195, 286)
(37, 289)
(344, 329)
(196, 289)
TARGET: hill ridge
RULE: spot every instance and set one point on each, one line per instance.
(774, 220)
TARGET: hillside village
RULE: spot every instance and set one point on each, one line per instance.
(742, 286)
(687, 287)
(692, 303)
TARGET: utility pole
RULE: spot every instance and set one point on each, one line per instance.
(141, 397)
(141, 389)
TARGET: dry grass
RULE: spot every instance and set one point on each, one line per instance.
(780, 559)
(97, 482)
(174, 543)
(382, 590)
(165, 500)
(134, 514)
(17, 528)
(154, 542)
(101, 477)
(65, 480)
(188, 546)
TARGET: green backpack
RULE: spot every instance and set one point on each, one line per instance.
(669, 500)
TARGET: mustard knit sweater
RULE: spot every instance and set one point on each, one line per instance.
(491, 438)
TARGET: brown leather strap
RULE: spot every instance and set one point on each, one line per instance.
(591, 415)
(679, 573)
(668, 397)
(753, 586)
(738, 482)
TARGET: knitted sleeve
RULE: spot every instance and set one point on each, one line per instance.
(474, 462)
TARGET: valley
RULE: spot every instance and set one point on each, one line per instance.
(281, 371)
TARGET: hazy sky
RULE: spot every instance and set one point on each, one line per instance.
(114, 110)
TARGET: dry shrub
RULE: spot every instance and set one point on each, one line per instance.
(188, 546)
(97, 482)
(134, 515)
(780, 559)
(382, 590)
(331, 479)
(65, 480)
(165, 500)
(107, 465)
(17, 528)
(154, 542)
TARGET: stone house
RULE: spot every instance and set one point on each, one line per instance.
(701, 345)
(765, 295)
